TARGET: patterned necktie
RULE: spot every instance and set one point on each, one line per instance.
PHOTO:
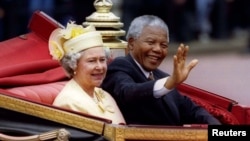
(151, 76)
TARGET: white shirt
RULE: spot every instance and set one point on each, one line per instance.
(159, 89)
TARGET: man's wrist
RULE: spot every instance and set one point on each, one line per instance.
(169, 84)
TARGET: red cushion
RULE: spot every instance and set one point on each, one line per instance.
(25, 60)
(224, 116)
(217, 105)
(43, 93)
(242, 113)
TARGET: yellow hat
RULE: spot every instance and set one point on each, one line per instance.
(72, 39)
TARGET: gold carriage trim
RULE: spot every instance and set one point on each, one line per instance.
(102, 24)
(166, 133)
(53, 114)
(110, 131)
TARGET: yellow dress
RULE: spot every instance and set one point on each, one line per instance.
(103, 105)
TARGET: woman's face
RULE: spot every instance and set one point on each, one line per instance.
(91, 67)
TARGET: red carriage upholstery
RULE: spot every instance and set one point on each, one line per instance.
(28, 71)
(220, 107)
(43, 93)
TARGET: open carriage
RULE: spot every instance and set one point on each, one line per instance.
(30, 80)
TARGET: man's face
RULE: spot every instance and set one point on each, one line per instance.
(150, 48)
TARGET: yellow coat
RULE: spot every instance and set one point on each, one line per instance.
(73, 97)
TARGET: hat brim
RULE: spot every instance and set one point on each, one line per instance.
(55, 44)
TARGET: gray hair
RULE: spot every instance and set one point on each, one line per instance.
(69, 61)
(140, 22)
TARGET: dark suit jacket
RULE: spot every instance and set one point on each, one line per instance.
(134, 95)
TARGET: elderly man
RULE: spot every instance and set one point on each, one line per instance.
(142, 98)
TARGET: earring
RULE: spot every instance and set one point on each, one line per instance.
(74, 72)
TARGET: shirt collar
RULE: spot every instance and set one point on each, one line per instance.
(146, 73)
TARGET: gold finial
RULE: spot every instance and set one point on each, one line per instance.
(103, 13)
(107, 23)
(103, 6)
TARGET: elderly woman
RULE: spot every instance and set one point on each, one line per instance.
(82, 54)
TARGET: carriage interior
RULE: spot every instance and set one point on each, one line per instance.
(30, 80)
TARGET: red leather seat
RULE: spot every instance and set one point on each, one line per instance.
(220, 107)
(43, 93)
